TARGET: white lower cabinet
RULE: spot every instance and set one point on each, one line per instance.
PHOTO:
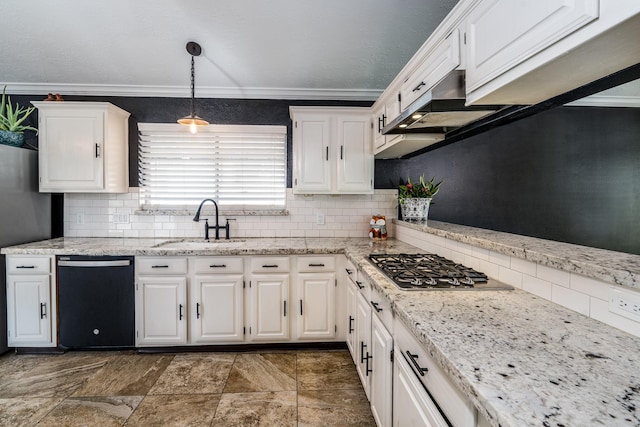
(363, 342)
(216, 307)
(269, 311)
(31, 312)
(161, 305)
(352, 293)
(315, 294)
(411, 404)
(382, 372)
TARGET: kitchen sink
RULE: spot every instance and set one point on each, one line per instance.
(198, 244)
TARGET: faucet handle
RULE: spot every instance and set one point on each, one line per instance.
(227, 228)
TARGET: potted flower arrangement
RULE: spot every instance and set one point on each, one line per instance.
(11, 119)
(415, 198)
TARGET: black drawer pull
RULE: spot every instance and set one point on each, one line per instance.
(300, 307)
(26, 266)
(360, 285)
(270, 266)
(218, 266)
(197, 310)
(316, 265)
(376, 306)
(418, 87)
(348, 271)
(367, 370)
(413, 358)
(180, 312)
(285, 309)
(159, 266)
(43, 310)
(351, 319)
(362, 347)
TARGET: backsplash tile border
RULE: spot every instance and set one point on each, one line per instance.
(344, 216)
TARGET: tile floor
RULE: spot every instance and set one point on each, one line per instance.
(289, 388)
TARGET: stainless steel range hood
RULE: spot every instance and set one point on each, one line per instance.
(440, 110)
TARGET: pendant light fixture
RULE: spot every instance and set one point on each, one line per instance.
(192, 120)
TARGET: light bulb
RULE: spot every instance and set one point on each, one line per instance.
(192, 127)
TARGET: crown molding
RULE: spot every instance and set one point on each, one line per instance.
(606, 101)
(183, 92)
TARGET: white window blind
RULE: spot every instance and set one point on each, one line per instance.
(240, 167)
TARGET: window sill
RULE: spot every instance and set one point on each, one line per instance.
(222, 212)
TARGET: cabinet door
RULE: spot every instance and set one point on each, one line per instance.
(382, 375)
(269, 311)
(440, 61)
(71, 149)
(379, 121)
(363, 338)
(29, 310)
(312, 156)
(411, 404)
(354, 154)
(161, 310)
(316, 317)
(217, 308)
(351, 319)
(493, 46)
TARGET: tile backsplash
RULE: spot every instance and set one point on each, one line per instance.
(117, 215)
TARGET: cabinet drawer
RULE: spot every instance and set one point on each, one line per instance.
(29, 265)
(382, 309)
(270, 264)
(161, 265)
(208, 265)
(316, 264)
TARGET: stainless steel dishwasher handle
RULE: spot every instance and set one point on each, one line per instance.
(113, 263)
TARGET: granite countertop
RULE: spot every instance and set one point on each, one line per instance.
(615, 267)
(522, 360)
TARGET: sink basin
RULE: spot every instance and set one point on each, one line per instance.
(200, 244)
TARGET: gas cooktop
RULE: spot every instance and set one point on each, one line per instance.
(432, 272)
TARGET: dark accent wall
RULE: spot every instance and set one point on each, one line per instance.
(569, 174)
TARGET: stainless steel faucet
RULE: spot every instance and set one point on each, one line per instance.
(207, 227)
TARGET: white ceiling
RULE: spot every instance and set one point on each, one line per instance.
(323, 49)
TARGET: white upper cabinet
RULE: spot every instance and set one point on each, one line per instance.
(436, 63)
(83, 147)
(332, 151)
(524, 52)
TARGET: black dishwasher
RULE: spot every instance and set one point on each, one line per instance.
(96, 302)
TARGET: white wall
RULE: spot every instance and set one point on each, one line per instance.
(344, 216)
(579, 293)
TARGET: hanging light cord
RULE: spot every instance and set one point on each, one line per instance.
(193, 86)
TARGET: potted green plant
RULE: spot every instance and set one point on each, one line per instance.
(11, 119)
(415, 199)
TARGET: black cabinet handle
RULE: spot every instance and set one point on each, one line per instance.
(300, 307)
(43, 310)
(218, 266)
(348, 271)
(362, 347)
(367, 370)
(285, 309)
(26, 266)
(159, 266)
(417, 88)
(270, 266)
(327, 153)
(180, 312)
(316, 265)
(380, 123)
(197, 310)
(350, 324)
(341, 152)
(360, 285)
(412, 358)
(376, 307)
(97, 150)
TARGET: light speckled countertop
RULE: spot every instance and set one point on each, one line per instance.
(522, 360)
(615, 267)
